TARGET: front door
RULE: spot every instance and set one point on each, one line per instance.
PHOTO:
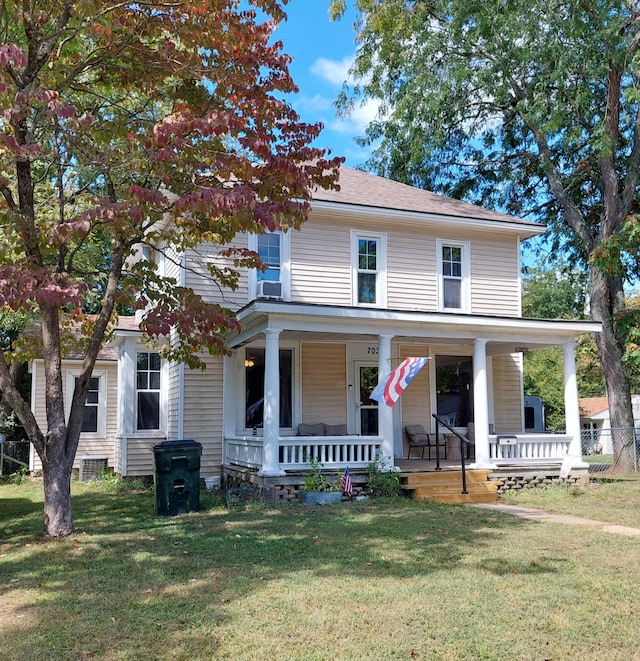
(367, 418)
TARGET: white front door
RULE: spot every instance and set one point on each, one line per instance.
(366, 378)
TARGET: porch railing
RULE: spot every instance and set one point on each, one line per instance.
(296, 451)
(508, 447)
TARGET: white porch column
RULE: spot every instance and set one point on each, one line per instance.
(126, 399)
(572, 406)
(271, 418)
(385, 413)
(481, 405)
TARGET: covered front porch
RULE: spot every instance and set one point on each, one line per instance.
(333, 354)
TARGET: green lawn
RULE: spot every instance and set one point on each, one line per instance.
(604, 499)
(373, 580)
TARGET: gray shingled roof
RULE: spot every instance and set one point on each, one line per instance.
(365, 189)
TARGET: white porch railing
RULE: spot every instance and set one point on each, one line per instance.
(295, 451)
(528, 446)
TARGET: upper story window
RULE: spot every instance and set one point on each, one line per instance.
(148, 370)
(369, 268)
(453, 275)
(269, 251)
(95, 405)
(274, 249)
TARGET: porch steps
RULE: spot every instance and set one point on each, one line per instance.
(446, 487)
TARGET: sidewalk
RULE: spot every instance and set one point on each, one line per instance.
(540, 515)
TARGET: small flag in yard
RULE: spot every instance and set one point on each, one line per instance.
(393, 385)
(347, 487)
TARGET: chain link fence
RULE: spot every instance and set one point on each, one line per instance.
(14, 457)
(614, 450)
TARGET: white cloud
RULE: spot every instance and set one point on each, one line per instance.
(335, 72)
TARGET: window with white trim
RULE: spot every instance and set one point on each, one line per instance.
(94, 418)
(148, 371)
(453, 275)
(274, 250)
(369, 269)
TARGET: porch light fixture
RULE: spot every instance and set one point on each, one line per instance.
(248, 362)
(522, 349)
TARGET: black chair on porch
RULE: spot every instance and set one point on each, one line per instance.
(418, 438)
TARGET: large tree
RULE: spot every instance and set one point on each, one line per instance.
(124, 123)
(531, 107)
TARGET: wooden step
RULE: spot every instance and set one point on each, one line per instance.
(442, 477)
(446, 487)
(462, 498)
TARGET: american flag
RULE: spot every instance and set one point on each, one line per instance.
(393, 385)
(347, 487)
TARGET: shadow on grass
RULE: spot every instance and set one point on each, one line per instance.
(135, 583)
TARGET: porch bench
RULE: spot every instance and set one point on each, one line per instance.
(322, 429)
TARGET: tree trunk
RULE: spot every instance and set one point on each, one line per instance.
(56, 474)
(607, 296)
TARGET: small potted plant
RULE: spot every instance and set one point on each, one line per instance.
(317, 489)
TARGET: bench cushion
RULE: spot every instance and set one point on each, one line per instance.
(311, 430)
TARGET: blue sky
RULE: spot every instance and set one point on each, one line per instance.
(322, 52)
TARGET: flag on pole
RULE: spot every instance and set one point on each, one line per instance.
(347, 487)
(393, 385)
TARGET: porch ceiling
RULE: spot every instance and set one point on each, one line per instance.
(319, 323)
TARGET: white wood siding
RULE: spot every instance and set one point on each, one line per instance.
(324, 383)
(140, 455)
(321, 269)
(197, 275)
(320, 263)
(203, 412)
(507, 388)
(495, 276)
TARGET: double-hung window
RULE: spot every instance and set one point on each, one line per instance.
(148, 371)
(95, 404)
(369, 269)
(453, 276)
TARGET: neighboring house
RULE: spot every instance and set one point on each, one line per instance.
(380, 271)
(596, 424)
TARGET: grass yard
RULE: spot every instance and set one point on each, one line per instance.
(373, 580)
(604, 499)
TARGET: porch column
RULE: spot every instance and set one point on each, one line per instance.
(481, 404)
(385, 413)
(271, 418)
(572, 406)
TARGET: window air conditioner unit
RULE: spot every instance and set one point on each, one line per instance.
(269, 289)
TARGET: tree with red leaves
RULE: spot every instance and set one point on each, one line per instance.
(128, 123)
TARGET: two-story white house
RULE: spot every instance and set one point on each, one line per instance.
(379, 272)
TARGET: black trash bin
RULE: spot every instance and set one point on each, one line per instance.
(177, 477)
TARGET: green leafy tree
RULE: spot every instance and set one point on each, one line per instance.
(124, 123)
(531, 107)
